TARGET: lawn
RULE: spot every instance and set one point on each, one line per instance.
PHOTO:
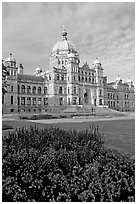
(118, 134)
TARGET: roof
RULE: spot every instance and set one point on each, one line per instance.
(30, 78)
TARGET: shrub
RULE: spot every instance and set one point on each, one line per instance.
(58, 165)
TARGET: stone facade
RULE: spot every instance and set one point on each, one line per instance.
(66, 83)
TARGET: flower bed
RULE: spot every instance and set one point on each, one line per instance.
(52, 164)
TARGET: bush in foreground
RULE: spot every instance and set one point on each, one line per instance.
(58, 165)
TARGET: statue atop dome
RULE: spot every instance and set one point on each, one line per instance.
(64, 33)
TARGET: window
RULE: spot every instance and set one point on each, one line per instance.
(60, 101)
(74, 101)
(28, 90)
(11, 88)
(39, 90)
(92, 80)
(39, 101)
(68, 78)
(86, 79)
(34, 101)
(18, 88)
(23, 89)
(57, 76)
(14, 72)
(68, 91)
(60, 90)
(108, 95)
(11, 99)
(22, 100)
(45, 90)
(45, 101)
(82, 78)
(49, 77)
(68, 101)
(79, 78)
(11, 72)
(85, 72)
(28, 101)
(62, 77)
(100, 101)
(18, 100)
(74, 78)
(89, 73)
(34, 90)
(12, 110)
(74, 90)
(125, 96)
(89, 79)
(100, 93)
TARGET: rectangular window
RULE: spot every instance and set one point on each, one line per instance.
(39, 101)
(57, 76)
(45, 101)
(74, 101)
(28, 101)
(11, 88)
(11, 99)
(68, 101)
(18, 101)
(74, 90)
(34, 101)
(22, 100)
(60, 101)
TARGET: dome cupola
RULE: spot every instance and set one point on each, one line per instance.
(64, 46)
(10, 61)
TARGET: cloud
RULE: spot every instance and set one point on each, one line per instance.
(104, 30)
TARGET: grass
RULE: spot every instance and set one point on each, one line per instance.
(118, 134)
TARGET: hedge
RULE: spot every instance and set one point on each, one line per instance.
(53, 164)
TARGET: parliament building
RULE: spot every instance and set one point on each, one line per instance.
(65, 84)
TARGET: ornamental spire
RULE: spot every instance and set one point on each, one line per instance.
(64, 33)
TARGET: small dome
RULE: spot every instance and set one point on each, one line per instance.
(129, 81)
(96, 61)
(118, 78)
(10, 58)
(38, 69)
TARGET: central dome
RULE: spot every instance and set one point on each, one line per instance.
(64, 46)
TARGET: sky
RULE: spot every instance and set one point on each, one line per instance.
(103, 30)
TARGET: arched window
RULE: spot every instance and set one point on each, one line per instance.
(60, 90)
(34, 90)
(79, 78)
(39, 90)
(23, 89)
(18, 88)
(45, 90)
(28, 89)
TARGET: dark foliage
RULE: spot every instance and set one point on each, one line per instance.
(57, 165)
